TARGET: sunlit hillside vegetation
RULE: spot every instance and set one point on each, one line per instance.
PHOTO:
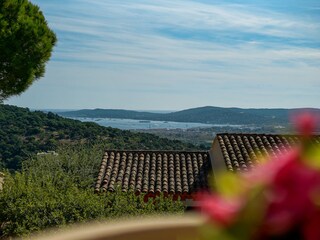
(24, 133)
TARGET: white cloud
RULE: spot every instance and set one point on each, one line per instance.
(114, 47)
(127, 32)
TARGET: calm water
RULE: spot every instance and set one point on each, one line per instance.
(130, 124)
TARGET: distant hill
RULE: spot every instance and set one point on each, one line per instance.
(212, 115)
(24, 133)
(110, 113)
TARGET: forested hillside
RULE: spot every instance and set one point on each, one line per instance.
(24, 133)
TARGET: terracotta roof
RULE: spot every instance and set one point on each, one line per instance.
(153, 172)
(241, 152)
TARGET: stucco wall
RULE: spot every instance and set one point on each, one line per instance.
(217, 160)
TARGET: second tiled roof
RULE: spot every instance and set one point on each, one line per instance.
(242, 151)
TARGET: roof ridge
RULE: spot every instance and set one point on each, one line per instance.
(165, 151)
(266, 134)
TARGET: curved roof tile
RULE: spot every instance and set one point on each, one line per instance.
(173, 172)
(241, 152)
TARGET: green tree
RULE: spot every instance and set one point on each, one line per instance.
(26, 43)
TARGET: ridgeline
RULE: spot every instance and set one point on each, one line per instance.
(211, 115)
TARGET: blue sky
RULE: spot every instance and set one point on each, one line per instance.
(178, 54)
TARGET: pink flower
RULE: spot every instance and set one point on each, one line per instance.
(265, 173)
(305, 123)
(290, 196)
(220, 210)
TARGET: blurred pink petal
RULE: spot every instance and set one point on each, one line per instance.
(220, 210)
(290, 195)
(305, 123)
(266, 172)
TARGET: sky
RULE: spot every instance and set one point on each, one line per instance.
(179, 54)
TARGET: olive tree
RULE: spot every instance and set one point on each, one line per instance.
(26, 43)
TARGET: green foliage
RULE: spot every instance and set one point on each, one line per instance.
(26, 43)
(23, 133)
(54, 191)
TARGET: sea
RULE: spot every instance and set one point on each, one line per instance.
(132, 124)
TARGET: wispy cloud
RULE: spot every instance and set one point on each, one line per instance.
(165, 46)
(133, 32)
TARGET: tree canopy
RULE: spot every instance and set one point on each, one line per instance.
(26, 43)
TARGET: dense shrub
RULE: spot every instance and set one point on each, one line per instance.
(57, 190)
